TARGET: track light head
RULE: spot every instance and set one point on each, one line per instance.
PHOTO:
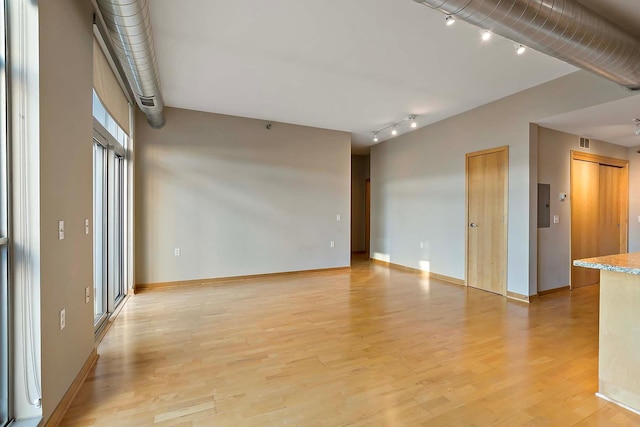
(413, 122)
(520, 49)
(375, 137)
(450, 20)
(394, 131)
(485, 35)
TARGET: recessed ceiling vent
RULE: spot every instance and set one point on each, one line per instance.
(585, 143)
(147, 102)
(563, 29)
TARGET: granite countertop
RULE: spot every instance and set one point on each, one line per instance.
(622, 263)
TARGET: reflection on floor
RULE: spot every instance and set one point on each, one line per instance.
(370, 347)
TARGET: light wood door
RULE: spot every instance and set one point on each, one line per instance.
(599, 211)
(487, 174)
(609, 218)
(585, 190)
(367, 217)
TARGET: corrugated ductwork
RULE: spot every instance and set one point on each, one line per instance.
(129, 26)
(564, 29)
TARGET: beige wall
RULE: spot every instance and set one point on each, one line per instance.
(554, 168)
(359, 166)
(238, 199)
(66, 44)
(634, 200)
(418, 179)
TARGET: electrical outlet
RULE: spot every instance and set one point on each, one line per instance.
(556, 219)
(176, 251)
(87, 294)
(333, 244)
(86, 226)
(63, 320)
(338, 217)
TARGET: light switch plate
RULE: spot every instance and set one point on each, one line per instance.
(63, 320)
(556, 219)
(60, 230)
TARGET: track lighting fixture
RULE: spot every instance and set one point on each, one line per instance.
(485, 35)
(450, 20)
(637, 123)
(520, 49)
(394, 127)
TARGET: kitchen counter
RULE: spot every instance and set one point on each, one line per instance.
(619, 338)
(622, 263)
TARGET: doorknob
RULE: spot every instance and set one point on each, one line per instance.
(473, 225)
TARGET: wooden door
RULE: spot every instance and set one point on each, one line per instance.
(487, 186)
(599, 211)
(585, 188)
(367, 217)
(609, 209)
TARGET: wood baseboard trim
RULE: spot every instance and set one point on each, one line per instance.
(57, 415)
(141, 287)
(431, 275)
(519, 297)
(448, 279)
(554, 291)
(359, 252)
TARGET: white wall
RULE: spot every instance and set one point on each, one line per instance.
(554, 168)
(238, 199)
(634, 200)
(418, 184)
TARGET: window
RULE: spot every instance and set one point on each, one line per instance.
(99, 232)
(4, 225)
(109, 196)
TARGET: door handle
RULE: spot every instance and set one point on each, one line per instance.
(473, 225)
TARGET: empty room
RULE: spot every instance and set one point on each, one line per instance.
(367, 213)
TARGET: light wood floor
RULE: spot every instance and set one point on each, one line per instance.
(372, 347)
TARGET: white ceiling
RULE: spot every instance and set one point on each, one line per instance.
(351, 65)
(611, 122)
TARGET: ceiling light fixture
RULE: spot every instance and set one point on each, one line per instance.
(394, 127)
(450, 20)
(485, 35)
(520, 49)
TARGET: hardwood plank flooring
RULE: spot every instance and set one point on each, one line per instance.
(370, 347)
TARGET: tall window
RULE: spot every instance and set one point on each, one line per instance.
(99, 231)
(109, 142)
(4, 226)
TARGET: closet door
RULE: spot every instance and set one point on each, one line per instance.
(609, 219)
(599, 211)
(585, 210)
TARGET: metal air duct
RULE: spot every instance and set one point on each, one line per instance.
(129, 26)
(564, 29)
